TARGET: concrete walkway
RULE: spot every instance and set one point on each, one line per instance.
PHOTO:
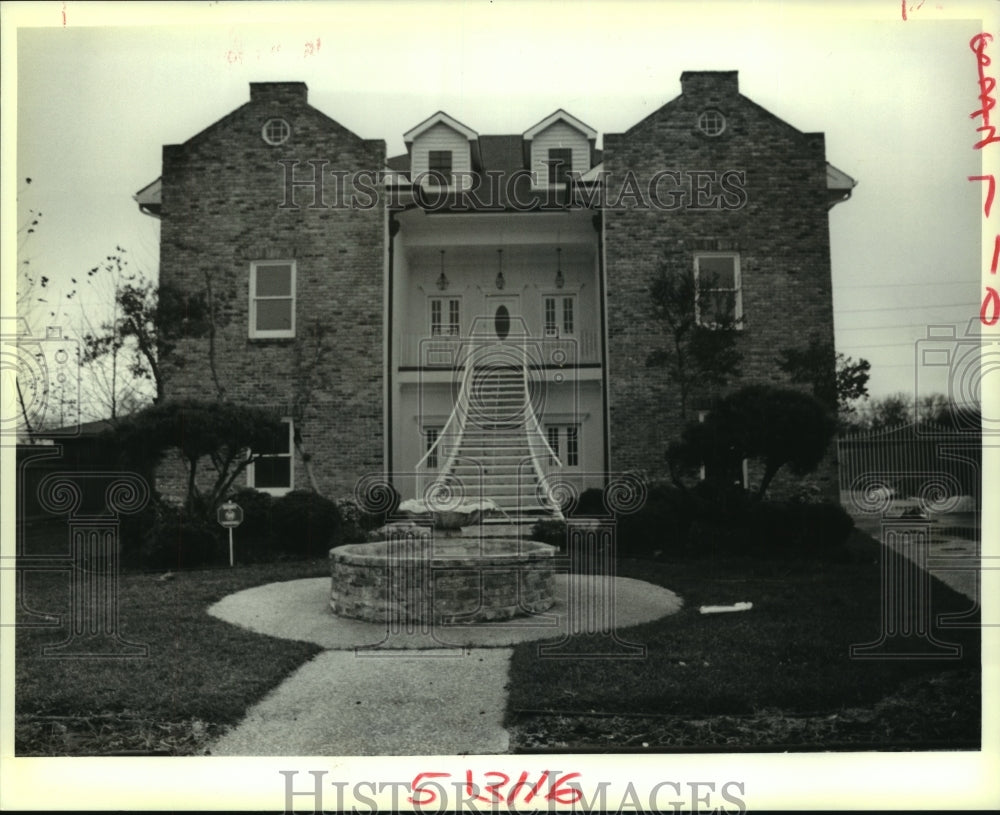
(412, 691)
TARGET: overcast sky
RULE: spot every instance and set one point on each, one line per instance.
(96, 102)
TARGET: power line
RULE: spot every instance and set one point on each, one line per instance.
(906, 308)
(906, 285)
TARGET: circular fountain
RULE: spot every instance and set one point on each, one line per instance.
(416, 578)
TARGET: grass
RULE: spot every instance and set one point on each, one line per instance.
(777, 675)
(201, 673)
(787, 657)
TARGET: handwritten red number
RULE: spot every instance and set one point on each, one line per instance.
(415, 787)
(987, 84)
(990, 191)
(990, 311)
(568, 795)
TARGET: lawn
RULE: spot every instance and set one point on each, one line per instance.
(201, 673)
(778, 676)
(775, 677)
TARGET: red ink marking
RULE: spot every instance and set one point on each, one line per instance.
(415, 787)
(990, 311)
(64, 14)
(987, 84)
(996, 254)
(312, 48)
(990, 191)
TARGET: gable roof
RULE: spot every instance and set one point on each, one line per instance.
(557, 116)
(440, 118)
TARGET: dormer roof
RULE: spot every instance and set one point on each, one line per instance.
(560, 115)
(440, 118)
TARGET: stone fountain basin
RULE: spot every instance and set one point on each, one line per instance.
(450, 581)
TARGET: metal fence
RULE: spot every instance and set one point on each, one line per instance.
(912, 459)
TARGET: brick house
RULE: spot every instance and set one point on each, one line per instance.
(476, 311)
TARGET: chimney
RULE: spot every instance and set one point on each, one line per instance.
(279, 92)
(714, 84)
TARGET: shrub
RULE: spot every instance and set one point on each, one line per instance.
(254, 537)
(778, 530)
(590, 504)
(661, 527)
(305, 524)
(551, 531)
(179, 540)
(355, 523)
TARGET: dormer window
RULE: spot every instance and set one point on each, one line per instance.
(439, 169)
(560, 164)
(556, 148)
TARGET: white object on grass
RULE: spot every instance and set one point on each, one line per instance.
(723, 609)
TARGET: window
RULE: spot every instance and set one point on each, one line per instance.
(273, 471)
(560, 164)
(445, 317)
(718, 297)
(711, 123)
(566, 438)
(272, 299)
(431, 436)
(439, 168)
(572, 446)
(276, 131)
(552, 434)
(559, 314)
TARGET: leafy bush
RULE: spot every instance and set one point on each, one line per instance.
(305, 524)
(177, 539)
(551, 531)
(254, 537)
(591, 504)
(355, 523)
(777, 530)
(661, 527)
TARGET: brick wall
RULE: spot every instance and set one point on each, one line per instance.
(221, 209)
(781, 233)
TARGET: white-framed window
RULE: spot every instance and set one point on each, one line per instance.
(274, 471)
(559, 314)
(712, 123)
(430, 439)
(439, 168)
(272, 299)
(560, 164)
(565, 437)
(446, 316)
(276, 131)
(718, 291)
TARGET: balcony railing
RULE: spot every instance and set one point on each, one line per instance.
(446, 351)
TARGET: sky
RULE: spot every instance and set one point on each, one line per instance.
(98, 96)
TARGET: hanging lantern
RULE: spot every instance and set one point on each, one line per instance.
(500, 281)
(560, 280)
(442, 281)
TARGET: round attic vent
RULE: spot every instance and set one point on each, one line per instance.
(711, 123)
(276, 131)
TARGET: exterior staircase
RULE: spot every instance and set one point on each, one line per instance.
(498, 451)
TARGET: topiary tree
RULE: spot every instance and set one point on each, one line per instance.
(224, 433)
(777, 426)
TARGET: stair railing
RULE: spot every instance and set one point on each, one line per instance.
(538, 444)
(449, 440)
